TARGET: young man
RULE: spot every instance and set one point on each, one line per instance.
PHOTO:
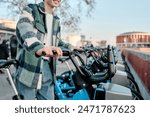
(37, 33)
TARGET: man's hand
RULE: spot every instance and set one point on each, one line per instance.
(48, 51)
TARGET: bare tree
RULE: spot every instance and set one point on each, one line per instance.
(70, 11)
(15, 6)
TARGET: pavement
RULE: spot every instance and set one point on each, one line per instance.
(6, 91)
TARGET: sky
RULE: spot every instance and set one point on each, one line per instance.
(113, 17)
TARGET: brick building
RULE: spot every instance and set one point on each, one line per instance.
(133, 39)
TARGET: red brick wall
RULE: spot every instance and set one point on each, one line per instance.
(141, 66)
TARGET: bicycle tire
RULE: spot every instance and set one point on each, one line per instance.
(135, 86)
(136, 95)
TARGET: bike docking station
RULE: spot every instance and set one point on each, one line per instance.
(83, 91)
(83, 85)
(89, 81)
(110, 91)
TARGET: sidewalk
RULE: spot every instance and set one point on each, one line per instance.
(6, 91)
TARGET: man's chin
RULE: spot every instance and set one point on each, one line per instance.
(55, 5)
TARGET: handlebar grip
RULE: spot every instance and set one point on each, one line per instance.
(43, 53)
(65, 53)
(54, 52)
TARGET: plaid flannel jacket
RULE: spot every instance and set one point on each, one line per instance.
(30, 31)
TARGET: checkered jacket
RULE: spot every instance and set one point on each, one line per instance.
(30, 32)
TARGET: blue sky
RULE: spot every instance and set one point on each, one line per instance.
(113, 17)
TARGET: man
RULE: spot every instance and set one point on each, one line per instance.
(4, 53)
(37, 33)
(13, 46)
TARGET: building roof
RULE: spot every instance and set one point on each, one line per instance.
(134, 32)
(7, 29)
(8, 23)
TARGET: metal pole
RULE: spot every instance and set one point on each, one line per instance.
(12, 82)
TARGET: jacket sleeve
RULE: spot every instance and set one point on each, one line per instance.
(63, 44)
(26, 33)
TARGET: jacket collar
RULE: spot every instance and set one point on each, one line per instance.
(41, 7)
(39, 18)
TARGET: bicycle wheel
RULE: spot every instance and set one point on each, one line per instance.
(130, 74)
(136, 95)
(133, 85)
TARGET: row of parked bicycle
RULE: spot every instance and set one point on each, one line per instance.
(99, 74)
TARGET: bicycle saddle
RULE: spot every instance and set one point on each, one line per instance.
(6, 63)
(94, 78)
